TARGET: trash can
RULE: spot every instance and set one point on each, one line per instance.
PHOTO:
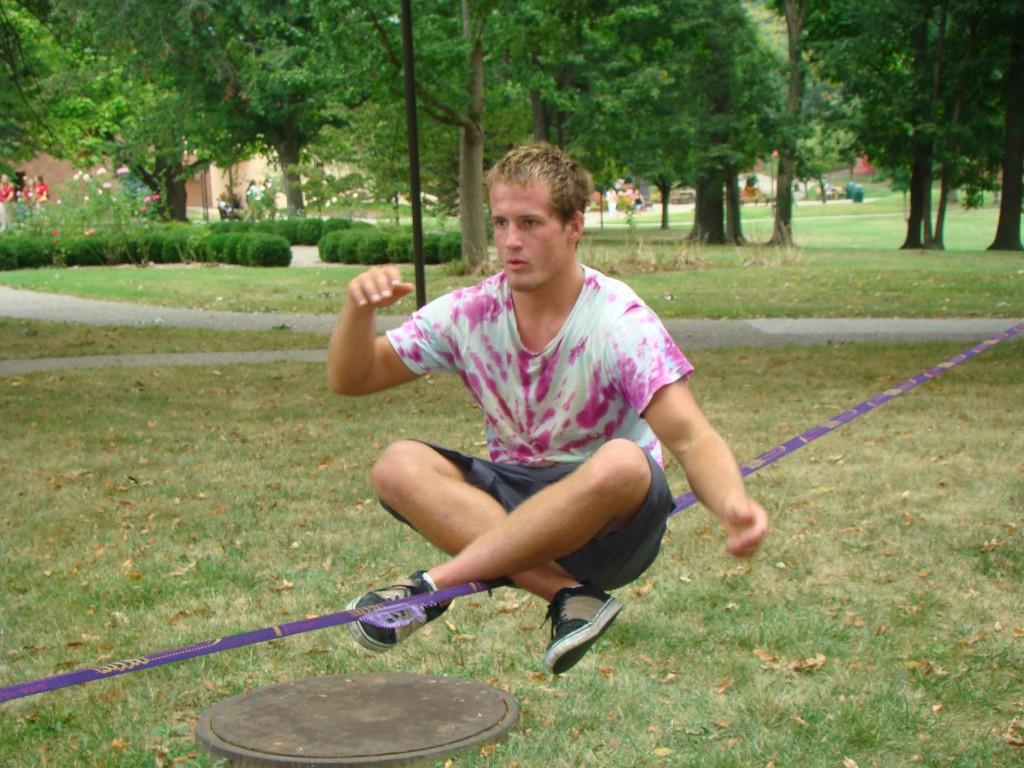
(858, 193)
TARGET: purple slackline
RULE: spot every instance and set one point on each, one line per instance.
(87, 675)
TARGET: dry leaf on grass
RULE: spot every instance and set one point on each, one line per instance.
(725, 685)
(796, 665)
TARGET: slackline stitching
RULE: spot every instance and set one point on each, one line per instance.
(89, 674)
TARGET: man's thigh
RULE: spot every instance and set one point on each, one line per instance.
(608, 562)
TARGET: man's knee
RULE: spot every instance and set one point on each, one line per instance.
(621, 467)
(396, 467)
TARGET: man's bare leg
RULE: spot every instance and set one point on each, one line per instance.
(431, 493)
(600, 497)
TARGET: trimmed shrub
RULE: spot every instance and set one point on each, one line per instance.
(309, 231)
(341, 247)
(373, 248)
(449, 247)
(266, 251)
(29, 252)
(232, 227)
(286, 228)
(85, 251)
(234, 247)
(399, 247)
(134, 249)
(432, 249)
(171, 247)
(336, 225)
(210, 249)
(8, 256)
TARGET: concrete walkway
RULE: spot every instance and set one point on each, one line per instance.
(690, 334)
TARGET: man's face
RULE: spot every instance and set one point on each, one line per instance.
(535, 246)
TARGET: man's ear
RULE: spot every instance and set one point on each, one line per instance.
(575, 226)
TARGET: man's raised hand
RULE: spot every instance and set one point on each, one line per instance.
(379, 287)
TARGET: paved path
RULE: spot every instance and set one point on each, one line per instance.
(691, 334)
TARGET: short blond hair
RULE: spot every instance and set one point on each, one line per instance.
(570, 183)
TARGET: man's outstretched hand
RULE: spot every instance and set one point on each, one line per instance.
(746, 524)
(379, 287)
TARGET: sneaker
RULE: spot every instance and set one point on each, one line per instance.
(383, 630)
(579, 615)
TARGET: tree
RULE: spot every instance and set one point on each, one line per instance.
(1007, 236)
(923, 96)
(261, 71)
(795, 13)
(450, 53)
(726, 69)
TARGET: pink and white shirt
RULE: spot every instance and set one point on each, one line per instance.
(559, 404)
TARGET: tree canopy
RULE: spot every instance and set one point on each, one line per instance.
(689, 92)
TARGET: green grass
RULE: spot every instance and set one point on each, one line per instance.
(846, 264)
(26, 339)
(151, 508)
(676, 278)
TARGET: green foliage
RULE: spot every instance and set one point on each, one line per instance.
(25, 252)
(164, 245)
(309, 231)
(91, 201)
(364, 245)
(262, 250)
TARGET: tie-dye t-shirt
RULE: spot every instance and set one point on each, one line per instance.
(559, 404)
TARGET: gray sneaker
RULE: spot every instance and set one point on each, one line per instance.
(384, 630)
(579, 615)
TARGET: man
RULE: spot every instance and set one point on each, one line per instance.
(579, 384)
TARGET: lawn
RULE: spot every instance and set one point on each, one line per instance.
(677, 280)
(881, 625)
(147, 509)
(846, 264)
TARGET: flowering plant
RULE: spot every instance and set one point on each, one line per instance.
(92, 201)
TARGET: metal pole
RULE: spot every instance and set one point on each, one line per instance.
(414, 154)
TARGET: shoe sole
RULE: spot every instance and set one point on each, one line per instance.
(571, 648)
(355, 628)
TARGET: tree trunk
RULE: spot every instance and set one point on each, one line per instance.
(665, 188)
(945, 191)
(782, 231)
(709, 211)
(1008, 229)
(540, 116)
(471, 154)
(288, 149)
(733, 222)
(168, 179)
(919, 220)
(920, 183)
(933, 237)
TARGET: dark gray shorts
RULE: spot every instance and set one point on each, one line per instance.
(609, 562)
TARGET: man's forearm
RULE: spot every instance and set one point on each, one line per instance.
(350, 353)
(712, 471)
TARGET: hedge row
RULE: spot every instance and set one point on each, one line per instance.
(383, 246)
(169, 245)
(295, 231)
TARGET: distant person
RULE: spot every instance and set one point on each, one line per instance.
(42, 192)
(580, 386)
(6, 197)
(612, 199)
(252, 199)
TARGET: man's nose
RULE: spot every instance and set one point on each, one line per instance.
(513, 236)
